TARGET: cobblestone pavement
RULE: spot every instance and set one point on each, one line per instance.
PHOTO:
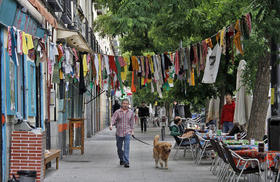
(100, 163)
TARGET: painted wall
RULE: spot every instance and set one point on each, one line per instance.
(9, 16)
(103, 109)
(6, 98)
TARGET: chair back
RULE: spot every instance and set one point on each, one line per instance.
(197, 140)
(243, 134)
(178, 140)
(230, 158)
(214, 145)
(221, 152)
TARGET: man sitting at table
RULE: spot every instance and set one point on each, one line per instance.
(227, 114)
(178, 133)
(237, 128)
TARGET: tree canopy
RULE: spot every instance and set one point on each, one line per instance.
(158, 26)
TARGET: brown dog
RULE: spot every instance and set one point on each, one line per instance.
(161, 152)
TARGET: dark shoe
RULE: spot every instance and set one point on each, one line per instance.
(126, 165)
(121, 163)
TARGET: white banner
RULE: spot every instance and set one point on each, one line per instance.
(212, 64)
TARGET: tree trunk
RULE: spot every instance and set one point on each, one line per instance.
(256, 126)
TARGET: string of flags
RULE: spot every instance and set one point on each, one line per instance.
(110, 72)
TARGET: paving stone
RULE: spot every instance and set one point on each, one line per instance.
(101, 164)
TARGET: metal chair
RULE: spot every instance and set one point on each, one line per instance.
(274, 171)
(243, 135)
(203, 146)
(219, 157)
(215, 161)
(241, 167)
(224, 167)
(178, 146)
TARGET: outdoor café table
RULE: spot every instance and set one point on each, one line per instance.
(241, 147)
(269, 158)
(207, 137)
(236, 142)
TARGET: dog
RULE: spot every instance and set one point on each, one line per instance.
(161, 152)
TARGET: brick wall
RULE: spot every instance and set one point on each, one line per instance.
(27, 153)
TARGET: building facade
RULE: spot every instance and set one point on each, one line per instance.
(47, 50)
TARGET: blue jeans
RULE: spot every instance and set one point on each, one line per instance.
(187, 142)
(227, 126)
(123, 154)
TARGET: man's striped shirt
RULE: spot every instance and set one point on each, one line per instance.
(124, 122)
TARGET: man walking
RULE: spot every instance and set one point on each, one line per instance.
(227, 114)
(143, 113)
(116, 106)
(176, 109)
(123, 119)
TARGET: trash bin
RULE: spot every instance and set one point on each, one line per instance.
(27, 176)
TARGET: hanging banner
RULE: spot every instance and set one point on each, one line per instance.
(212, 64)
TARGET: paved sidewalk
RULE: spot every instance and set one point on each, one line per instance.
(100, 163)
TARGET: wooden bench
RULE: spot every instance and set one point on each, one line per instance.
(49, 156)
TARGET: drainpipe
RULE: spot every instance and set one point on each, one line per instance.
(1, 139)
(23, 89)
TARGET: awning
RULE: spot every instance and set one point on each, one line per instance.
(44, 12)
(74, 39)
(32, 10)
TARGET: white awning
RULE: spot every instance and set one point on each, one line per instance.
(33, 11)
(74, 39)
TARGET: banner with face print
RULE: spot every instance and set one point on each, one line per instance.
(212, 64)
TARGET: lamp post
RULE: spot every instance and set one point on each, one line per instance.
(274, 122)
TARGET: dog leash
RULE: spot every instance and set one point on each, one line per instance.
(140, 140)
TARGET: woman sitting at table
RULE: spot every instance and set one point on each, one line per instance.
(237, 128)
(210, 121)
(178, 133)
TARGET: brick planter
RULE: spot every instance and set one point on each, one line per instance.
(27, 153)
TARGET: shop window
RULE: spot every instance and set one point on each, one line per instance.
(11, 85)
(31, 72)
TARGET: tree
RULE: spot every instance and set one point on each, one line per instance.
(145, 95)
(266, 32)
(158, 26)
(130, 20)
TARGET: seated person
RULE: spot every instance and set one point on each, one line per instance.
(265, 139)
(210, 121)
(181, 126)
(237, 128)
(177, 132)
